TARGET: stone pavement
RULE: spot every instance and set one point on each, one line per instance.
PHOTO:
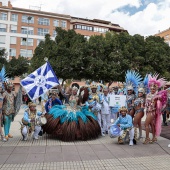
(103, 153)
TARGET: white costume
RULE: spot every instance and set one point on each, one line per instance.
(105, 112)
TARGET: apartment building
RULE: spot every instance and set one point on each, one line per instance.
(21, 30)
(165, 34)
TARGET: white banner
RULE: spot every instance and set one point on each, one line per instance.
(117, 101)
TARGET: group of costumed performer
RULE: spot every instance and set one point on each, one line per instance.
(143, 96)
(72, 121)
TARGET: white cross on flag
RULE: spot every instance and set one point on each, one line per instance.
(40, 81)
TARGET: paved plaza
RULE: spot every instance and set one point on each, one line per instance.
(101, 154)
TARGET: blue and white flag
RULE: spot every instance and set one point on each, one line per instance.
(40, 81)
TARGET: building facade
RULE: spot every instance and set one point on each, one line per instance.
(21, 30)
(165, 34)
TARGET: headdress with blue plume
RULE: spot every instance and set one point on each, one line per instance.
(3, 76)
(145, 82)
(133, 79)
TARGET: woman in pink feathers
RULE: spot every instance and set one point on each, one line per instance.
(155, 103)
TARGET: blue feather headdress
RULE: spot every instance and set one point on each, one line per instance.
(143, 86)
(3, 76)
(133, 79)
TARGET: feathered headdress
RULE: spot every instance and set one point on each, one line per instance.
(3, 76)
(143, 86)
(123, 108)
(133, 79)
(156, 83)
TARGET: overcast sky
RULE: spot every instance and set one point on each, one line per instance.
(145, 17)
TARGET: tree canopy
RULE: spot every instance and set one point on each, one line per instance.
(15, 66)
(106, 58)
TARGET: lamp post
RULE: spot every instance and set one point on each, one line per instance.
(28, 18)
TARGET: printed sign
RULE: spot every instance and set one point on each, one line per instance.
(117, 101)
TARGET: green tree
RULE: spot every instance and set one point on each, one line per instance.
(104, 58)
(17, 66)
(69, 60)
(46, 49)
(157, 55)
(2, 59)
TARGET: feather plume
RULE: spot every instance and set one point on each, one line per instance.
(153, 80)
(132, 79)
(3, 75)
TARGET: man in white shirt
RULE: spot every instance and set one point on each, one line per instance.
(105, 110)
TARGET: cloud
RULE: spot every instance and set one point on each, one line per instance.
(143, 17)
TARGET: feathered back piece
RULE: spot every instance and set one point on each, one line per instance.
(156, 83)
(3, 76)
(133, 79)
(145, 83)
(143, 86)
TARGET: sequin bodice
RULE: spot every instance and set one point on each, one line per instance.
(139, 101)
(150, 103)
(129, 100)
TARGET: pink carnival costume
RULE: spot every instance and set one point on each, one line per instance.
(155, 102)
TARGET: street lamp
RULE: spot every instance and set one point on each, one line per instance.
(28, 18)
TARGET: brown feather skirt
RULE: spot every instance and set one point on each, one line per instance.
(72, 131)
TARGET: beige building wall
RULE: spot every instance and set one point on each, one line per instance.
(165, 34)
(13, 38)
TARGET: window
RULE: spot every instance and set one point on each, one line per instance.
(3, 16)
(29, 29)
(2, 27)
(63, 24)
(78, 26)
(56, 23)
(24, 41)
(54, 33)
(90, 28)
(26, 53)
(12, 52)
(2, 39)
(42, 31)
(43, 21)
(38, 42)
(83, 27)
(14, 28)
(28, 19)
(14, 17)
(95, 29)
(13, 40)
